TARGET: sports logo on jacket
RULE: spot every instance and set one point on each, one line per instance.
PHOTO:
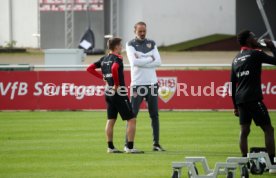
(167, 88)
(149, 45)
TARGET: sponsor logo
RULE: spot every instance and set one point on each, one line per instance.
(243, 58)
(108, 75)
(167, 88)
(243, 73)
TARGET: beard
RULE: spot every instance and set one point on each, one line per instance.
(142, 37)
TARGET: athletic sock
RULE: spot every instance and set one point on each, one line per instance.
(130, 145)
(110, 145)
(271, 157)
(156, 144)
(248, 163)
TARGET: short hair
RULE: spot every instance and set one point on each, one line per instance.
(243, 36)
(139, 23)
(113, 42)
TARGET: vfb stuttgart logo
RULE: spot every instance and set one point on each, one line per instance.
(167, 88)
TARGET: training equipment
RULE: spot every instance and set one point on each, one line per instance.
(260, 162)
(242, 163)
(221, 168)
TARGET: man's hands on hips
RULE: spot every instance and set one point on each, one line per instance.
(236, 112)
(115, 87)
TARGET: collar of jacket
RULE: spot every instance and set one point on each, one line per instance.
(118, 55)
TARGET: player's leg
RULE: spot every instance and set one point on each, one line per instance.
(152, 100)
(245, 122)
(124, 108)
(136, 101)
(109, 132)
(153, 112)
(269, 141)
(131, 129)
(261, 118)
(245, 130)
(109, 128)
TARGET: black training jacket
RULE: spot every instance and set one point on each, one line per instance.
(246, 74)
(106, 63)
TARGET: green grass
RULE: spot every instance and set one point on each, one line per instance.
(196, 42)
(30, 52)
(72, 144)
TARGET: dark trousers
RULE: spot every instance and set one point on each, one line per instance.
(150, 94)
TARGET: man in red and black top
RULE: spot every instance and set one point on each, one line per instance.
(247, 92)
(115, 94)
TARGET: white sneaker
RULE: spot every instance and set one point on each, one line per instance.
(157, 147)
(272, 171)
(114, 150)
(132, 151)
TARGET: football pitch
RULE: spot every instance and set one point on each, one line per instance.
(72, 144)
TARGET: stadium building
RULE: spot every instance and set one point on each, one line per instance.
(48, 24)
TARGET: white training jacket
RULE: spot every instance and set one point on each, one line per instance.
(144, 58)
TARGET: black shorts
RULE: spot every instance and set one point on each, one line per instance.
(118, 104)
(254, 110)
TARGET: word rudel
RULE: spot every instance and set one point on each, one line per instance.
(19, 88)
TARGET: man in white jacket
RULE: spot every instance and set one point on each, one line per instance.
(144, 58)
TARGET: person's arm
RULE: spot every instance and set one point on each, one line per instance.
(266, 58)
(135, 60)
(115, 74)
(233, 91)
(157, 59)
(92, 69)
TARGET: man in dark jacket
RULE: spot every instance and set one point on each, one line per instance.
(247, 92)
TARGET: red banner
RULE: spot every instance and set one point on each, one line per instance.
(178, 89)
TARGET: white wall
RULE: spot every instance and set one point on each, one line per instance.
(174, 21)
(25, 19)
(168, 22)
(131, 12)
(4, 22)
(24, 22)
